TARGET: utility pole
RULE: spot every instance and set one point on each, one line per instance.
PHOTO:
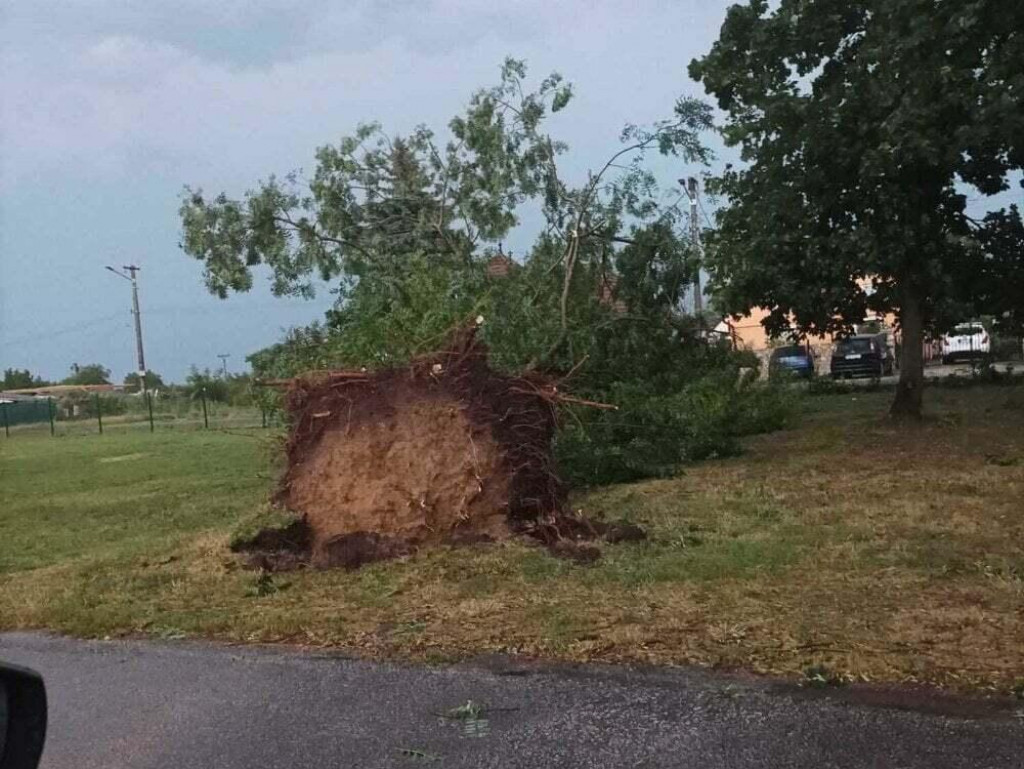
(691, 190)
(140, 356)
(224, 362)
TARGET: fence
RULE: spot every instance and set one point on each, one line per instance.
(95, 413)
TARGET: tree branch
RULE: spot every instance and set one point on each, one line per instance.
(311, 229)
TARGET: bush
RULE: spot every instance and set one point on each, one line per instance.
(680, 397)
(653, 435)
(1006, 347)
(82, 405)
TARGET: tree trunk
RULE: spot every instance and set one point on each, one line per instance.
(909, 389)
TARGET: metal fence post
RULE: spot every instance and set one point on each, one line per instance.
(149, 403)
(206, 421)
(7, 424)
(99, 412)
(49, 409)
(263, 414)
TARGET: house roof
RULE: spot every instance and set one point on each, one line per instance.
(63, 389)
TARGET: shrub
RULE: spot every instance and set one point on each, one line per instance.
(1006, 347)
(82, 405)
(653, 435)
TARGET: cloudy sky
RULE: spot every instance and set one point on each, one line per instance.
(109, 107)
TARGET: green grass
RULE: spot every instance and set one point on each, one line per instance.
(877, 552)
(121, 494)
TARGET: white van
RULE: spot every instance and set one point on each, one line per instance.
(968, 341)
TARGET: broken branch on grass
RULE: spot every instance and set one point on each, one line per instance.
(553, 396)
(582, 402)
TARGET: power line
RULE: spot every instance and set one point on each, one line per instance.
(92, 322)
(84, 326)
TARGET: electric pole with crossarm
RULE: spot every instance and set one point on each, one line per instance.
(140, 355)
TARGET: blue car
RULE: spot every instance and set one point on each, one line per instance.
(793, 360)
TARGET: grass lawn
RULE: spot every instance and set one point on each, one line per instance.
(882, 553)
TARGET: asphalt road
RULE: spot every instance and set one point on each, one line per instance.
(149, 705)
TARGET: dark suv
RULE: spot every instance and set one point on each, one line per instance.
(864, 355)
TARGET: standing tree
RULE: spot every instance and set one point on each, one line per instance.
(863, 128)
(89, 374)
(199, 383)
(153, 380)
(20, 379)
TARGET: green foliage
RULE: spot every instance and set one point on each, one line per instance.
(153, 381)
(653, 434)
(999, 284)
(861, 126)
(1006, 347)
(89, 374)
(86, 405)
(235, 389)
(20, 379)
(409, 230)
(822, 676)
(200, 384)
(824, 385)
(241, 391)
(395, 220)
(264, 584)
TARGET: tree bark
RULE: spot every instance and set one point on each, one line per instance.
(910, 388)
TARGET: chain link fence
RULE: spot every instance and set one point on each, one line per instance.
(95, 413)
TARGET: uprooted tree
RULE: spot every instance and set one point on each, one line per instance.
(408, 230)
(863, 129)
(443, 449)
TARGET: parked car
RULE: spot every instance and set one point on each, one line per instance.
(864, 355)
(968, 341)
(791, 360)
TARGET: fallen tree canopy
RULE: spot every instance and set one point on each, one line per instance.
(443, 450)
(408, 231)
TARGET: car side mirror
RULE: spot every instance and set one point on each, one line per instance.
(22, 717)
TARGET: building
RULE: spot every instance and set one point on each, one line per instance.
(748, 333)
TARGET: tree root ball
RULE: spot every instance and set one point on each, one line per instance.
(442, 451)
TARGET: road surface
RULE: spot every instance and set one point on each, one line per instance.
(166, 706)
